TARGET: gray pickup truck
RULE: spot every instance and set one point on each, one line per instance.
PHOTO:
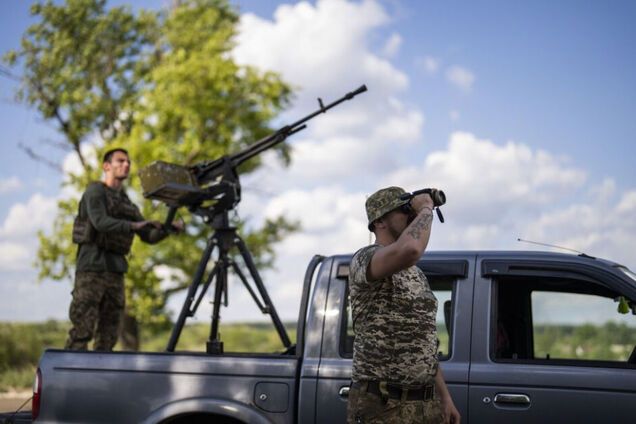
(512, 347)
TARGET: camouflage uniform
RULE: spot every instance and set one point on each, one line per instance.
(98, 299)
(103, 232)
(369, 408)
(394, 320)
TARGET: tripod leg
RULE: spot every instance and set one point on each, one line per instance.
(192, 291)
(247, 257)
(214, 344)
(249, 288)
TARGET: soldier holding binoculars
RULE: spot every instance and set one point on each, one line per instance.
(396, 376)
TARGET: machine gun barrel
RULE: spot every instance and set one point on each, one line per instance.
(209, 171)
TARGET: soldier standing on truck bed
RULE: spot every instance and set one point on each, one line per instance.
(396, 376)
(104, 229)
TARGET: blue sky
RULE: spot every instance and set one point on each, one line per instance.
(523, 112)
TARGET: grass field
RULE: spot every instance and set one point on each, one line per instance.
(21, 345)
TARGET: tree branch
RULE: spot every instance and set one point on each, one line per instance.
(6, 73)
(63, 123)
(40, 158)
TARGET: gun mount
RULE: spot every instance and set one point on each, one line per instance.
(211, 189)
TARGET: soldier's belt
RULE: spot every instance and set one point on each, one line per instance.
(397, 391)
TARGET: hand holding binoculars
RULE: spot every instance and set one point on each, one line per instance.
(438, 196)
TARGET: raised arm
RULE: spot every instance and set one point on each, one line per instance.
(407, 249)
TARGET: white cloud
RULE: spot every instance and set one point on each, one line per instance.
(18, 241)
(14, 256)
(324, 49)
(460, 77)
(429, 64)
(71, 163)
(600, 230)
(627, 205)
(497, 193)
(392, 45)
(321, 45)
(10, 184)
(485, 176)
(406, 128)
(25, 219)
(494, 192)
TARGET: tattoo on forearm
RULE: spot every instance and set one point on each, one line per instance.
(419, 224)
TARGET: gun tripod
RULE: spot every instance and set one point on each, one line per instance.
(223, 240)
(218, 180)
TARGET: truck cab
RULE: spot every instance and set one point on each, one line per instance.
(512, 346)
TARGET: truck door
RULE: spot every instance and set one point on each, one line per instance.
(450, 277)
(549, 345)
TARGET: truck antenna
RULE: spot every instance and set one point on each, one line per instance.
(555, 246)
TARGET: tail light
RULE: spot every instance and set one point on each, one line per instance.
(37, 395)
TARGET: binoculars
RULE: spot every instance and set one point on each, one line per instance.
(438, 196)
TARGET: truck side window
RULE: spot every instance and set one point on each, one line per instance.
(560, 321)
(442, 288)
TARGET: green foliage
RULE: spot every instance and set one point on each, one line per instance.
(610, 342)
(82, 64)
(55, 258)
(164, 86)
(623, 306)
(245, 337)
(21, 345)
(442, 335)
(20, 379)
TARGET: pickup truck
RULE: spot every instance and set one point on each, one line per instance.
(503, 359)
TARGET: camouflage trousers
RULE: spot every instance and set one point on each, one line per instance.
(368, 408)
(96, 310)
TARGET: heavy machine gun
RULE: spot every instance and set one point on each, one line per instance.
(212, 189)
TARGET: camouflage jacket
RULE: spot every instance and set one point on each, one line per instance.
(394, 321)
(97, 205)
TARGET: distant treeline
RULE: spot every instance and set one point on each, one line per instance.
(610, 341)
(21, 345)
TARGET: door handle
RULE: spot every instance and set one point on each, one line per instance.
(344, 391)
(512, 399)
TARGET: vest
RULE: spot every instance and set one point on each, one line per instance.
(118, 206)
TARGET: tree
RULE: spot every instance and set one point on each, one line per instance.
(164, 86)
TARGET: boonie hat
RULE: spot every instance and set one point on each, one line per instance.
(384, 201)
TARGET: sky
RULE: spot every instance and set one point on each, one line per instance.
(522, 112)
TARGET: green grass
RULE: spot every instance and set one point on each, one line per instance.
(609, 342)
(21, 345)
(17, 379)
(245, 337)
